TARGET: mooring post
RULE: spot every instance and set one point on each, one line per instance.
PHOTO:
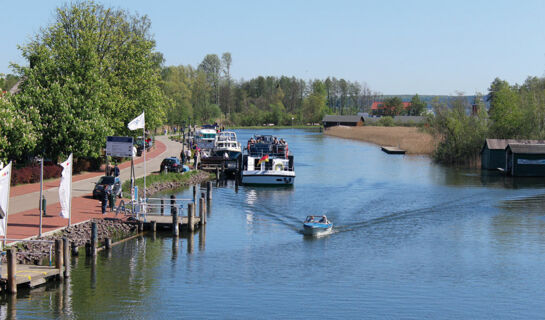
(140, 226)
(175, 231)
(75, 249)
(190, 215)
(172, 203)
(209, 191)
(217, 173)
(66, 256)
(154, 226)
(162, 206)
(12, 270)
(108, 243)
(194, 193)
(59, 257)
(94, 239)
(202, 211)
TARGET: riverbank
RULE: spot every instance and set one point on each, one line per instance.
(34, 252)
(172, 180)
(411, 139)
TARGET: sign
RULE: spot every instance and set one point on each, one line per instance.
(119, 146)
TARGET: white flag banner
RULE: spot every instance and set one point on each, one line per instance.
(65, 188)
(5, 177)
(137, 123)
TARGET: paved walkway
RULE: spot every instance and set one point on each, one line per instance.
(24, 218)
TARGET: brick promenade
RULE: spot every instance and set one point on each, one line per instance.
(24, 223)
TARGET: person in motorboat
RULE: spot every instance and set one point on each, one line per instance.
(323, 220)
(309, 219)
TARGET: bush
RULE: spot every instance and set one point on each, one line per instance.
(31, 174)
(386, 122)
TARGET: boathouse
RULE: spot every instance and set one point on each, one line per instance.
(493, 152)
(525, 160)
(334, 120)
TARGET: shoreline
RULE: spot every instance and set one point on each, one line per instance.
(411, 139)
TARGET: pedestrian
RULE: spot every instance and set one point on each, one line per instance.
(182, 157)
(116, 171)
(104, 199)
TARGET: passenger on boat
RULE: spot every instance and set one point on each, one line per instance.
(323, 220)
(309, 219)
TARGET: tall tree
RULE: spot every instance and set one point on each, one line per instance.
(226, 64)
(417, 106)
(211, 66)
(91, 71)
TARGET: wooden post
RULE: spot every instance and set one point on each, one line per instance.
(66, 256)
(154, 226)
(217, 173)
(194, 193)
(209, 191)
(162, 206)
(92, 250)
(108, 243)
(202, 211)
(175, 230)
(12, 270)
(140, 226)
(59, 257)
(190, 215)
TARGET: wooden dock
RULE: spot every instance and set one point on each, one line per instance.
(392, 150)
(29, 276)
(165, 222)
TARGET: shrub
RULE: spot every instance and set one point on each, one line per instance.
(31, 174)
(386, 122)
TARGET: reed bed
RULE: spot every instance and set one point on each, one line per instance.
(411, 139)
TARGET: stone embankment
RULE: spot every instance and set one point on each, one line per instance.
(198, 178)
(34, 252)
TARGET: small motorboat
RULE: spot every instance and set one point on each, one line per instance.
(317, 225)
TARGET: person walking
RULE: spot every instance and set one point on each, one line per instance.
(104, 199)
(116, 171)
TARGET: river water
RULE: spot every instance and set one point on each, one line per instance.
(411, 240)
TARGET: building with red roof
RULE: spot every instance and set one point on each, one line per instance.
(378, 108)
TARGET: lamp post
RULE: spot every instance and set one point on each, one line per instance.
(292, 122)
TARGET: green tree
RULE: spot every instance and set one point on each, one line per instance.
(176, 85)
(417, 106)
(315, 104)
(18, 136)
(393, 106)
(90, 72)
(506, 115)
(211, 66)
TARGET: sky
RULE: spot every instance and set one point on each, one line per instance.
(395, 47)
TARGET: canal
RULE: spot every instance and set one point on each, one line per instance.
(412, 239)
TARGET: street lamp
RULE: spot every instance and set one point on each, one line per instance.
(292, 121)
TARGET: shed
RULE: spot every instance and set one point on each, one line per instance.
(525, 160)
(334, 120)
(493, 152)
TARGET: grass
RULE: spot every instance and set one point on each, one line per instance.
(412, 139)
(159, 178)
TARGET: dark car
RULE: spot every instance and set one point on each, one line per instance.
(171, 164)
(110, 182)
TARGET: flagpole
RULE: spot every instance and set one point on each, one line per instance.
(7, 206)
(145, 171)
(70, 199)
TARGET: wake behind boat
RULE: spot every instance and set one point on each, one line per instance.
(315, 226)
(267, 161)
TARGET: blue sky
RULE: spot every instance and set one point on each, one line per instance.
(396, 47)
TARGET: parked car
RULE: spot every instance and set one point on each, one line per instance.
(171, 164)
(110, 182)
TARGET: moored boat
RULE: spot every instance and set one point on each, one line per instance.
(317, 225)
(268, 162)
